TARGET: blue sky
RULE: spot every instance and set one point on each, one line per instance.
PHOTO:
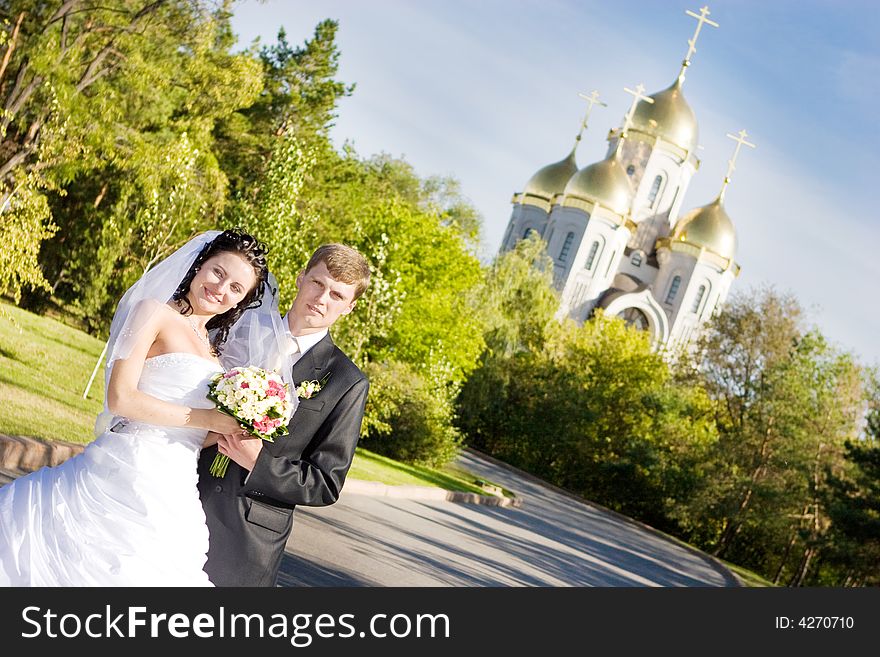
(486, 91)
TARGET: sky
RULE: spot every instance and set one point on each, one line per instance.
(487, 92)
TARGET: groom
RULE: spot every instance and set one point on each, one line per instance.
(250, 511)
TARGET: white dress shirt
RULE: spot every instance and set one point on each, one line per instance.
(300, 345)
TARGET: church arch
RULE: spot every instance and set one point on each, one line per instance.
(645, 303)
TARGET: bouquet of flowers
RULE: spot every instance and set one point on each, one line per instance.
(257, 398)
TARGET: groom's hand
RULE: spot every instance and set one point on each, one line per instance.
(211, 439)
(243, 450)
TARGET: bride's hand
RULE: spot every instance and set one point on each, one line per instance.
(224, 424)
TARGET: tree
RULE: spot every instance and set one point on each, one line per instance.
(408, 415)
(826, 401)
(138, 86)
(277, 216)
(591, 408)
(517, 302)
(853, 502)
(298, 100)
(742, 350)
(785, 402)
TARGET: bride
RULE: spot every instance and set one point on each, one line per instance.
(126, 511)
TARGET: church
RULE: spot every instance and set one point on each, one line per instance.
(618, 231)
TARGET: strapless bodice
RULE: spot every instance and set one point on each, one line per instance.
(178, 377)
(181, 378)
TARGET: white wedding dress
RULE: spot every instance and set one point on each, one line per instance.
(124, 512)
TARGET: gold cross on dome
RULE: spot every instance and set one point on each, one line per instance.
(701, 18)
(592, 99)
(692, 42)
(637, 96)
(627, 120)
(740, 139)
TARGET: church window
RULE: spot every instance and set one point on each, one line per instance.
(610, 262)
(636, 259)
(673, 289)
(566, 247)
(697, 299)
(630, 170)
(528, 232)
(591, 256)
(655, 189)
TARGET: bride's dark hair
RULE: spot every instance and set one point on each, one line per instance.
(254, 253)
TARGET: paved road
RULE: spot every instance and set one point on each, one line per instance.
(551, 540)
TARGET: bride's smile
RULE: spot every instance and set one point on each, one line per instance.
(221, 283)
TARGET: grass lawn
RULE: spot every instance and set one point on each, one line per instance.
(370, 466)
(45, 366)
(747, 577)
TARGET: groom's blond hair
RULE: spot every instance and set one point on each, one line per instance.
(345, 265)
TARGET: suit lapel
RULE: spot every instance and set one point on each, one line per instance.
(314, 364)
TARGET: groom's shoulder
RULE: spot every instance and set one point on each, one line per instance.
(345, 366)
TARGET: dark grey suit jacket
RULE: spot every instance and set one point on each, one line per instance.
(249, 523)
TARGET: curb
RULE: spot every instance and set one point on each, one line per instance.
(428, 493)
(20, 455)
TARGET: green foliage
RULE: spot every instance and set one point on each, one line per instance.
(516, 299)
(517, 304)
(408, 415)
(415, 314)
(298, 98)
(591, 408)
(25, 221)
(415, 310)
(853, 501)
(138, 88)
(786, 402)
(276, 216)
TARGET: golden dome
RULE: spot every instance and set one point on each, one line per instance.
(605, 183)
(669, 117)
(551, 179)
(708, 227)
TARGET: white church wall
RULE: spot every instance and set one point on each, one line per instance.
(687, 324)
(523, 218)
(565, 230)
(583, 286)
(644, 271)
